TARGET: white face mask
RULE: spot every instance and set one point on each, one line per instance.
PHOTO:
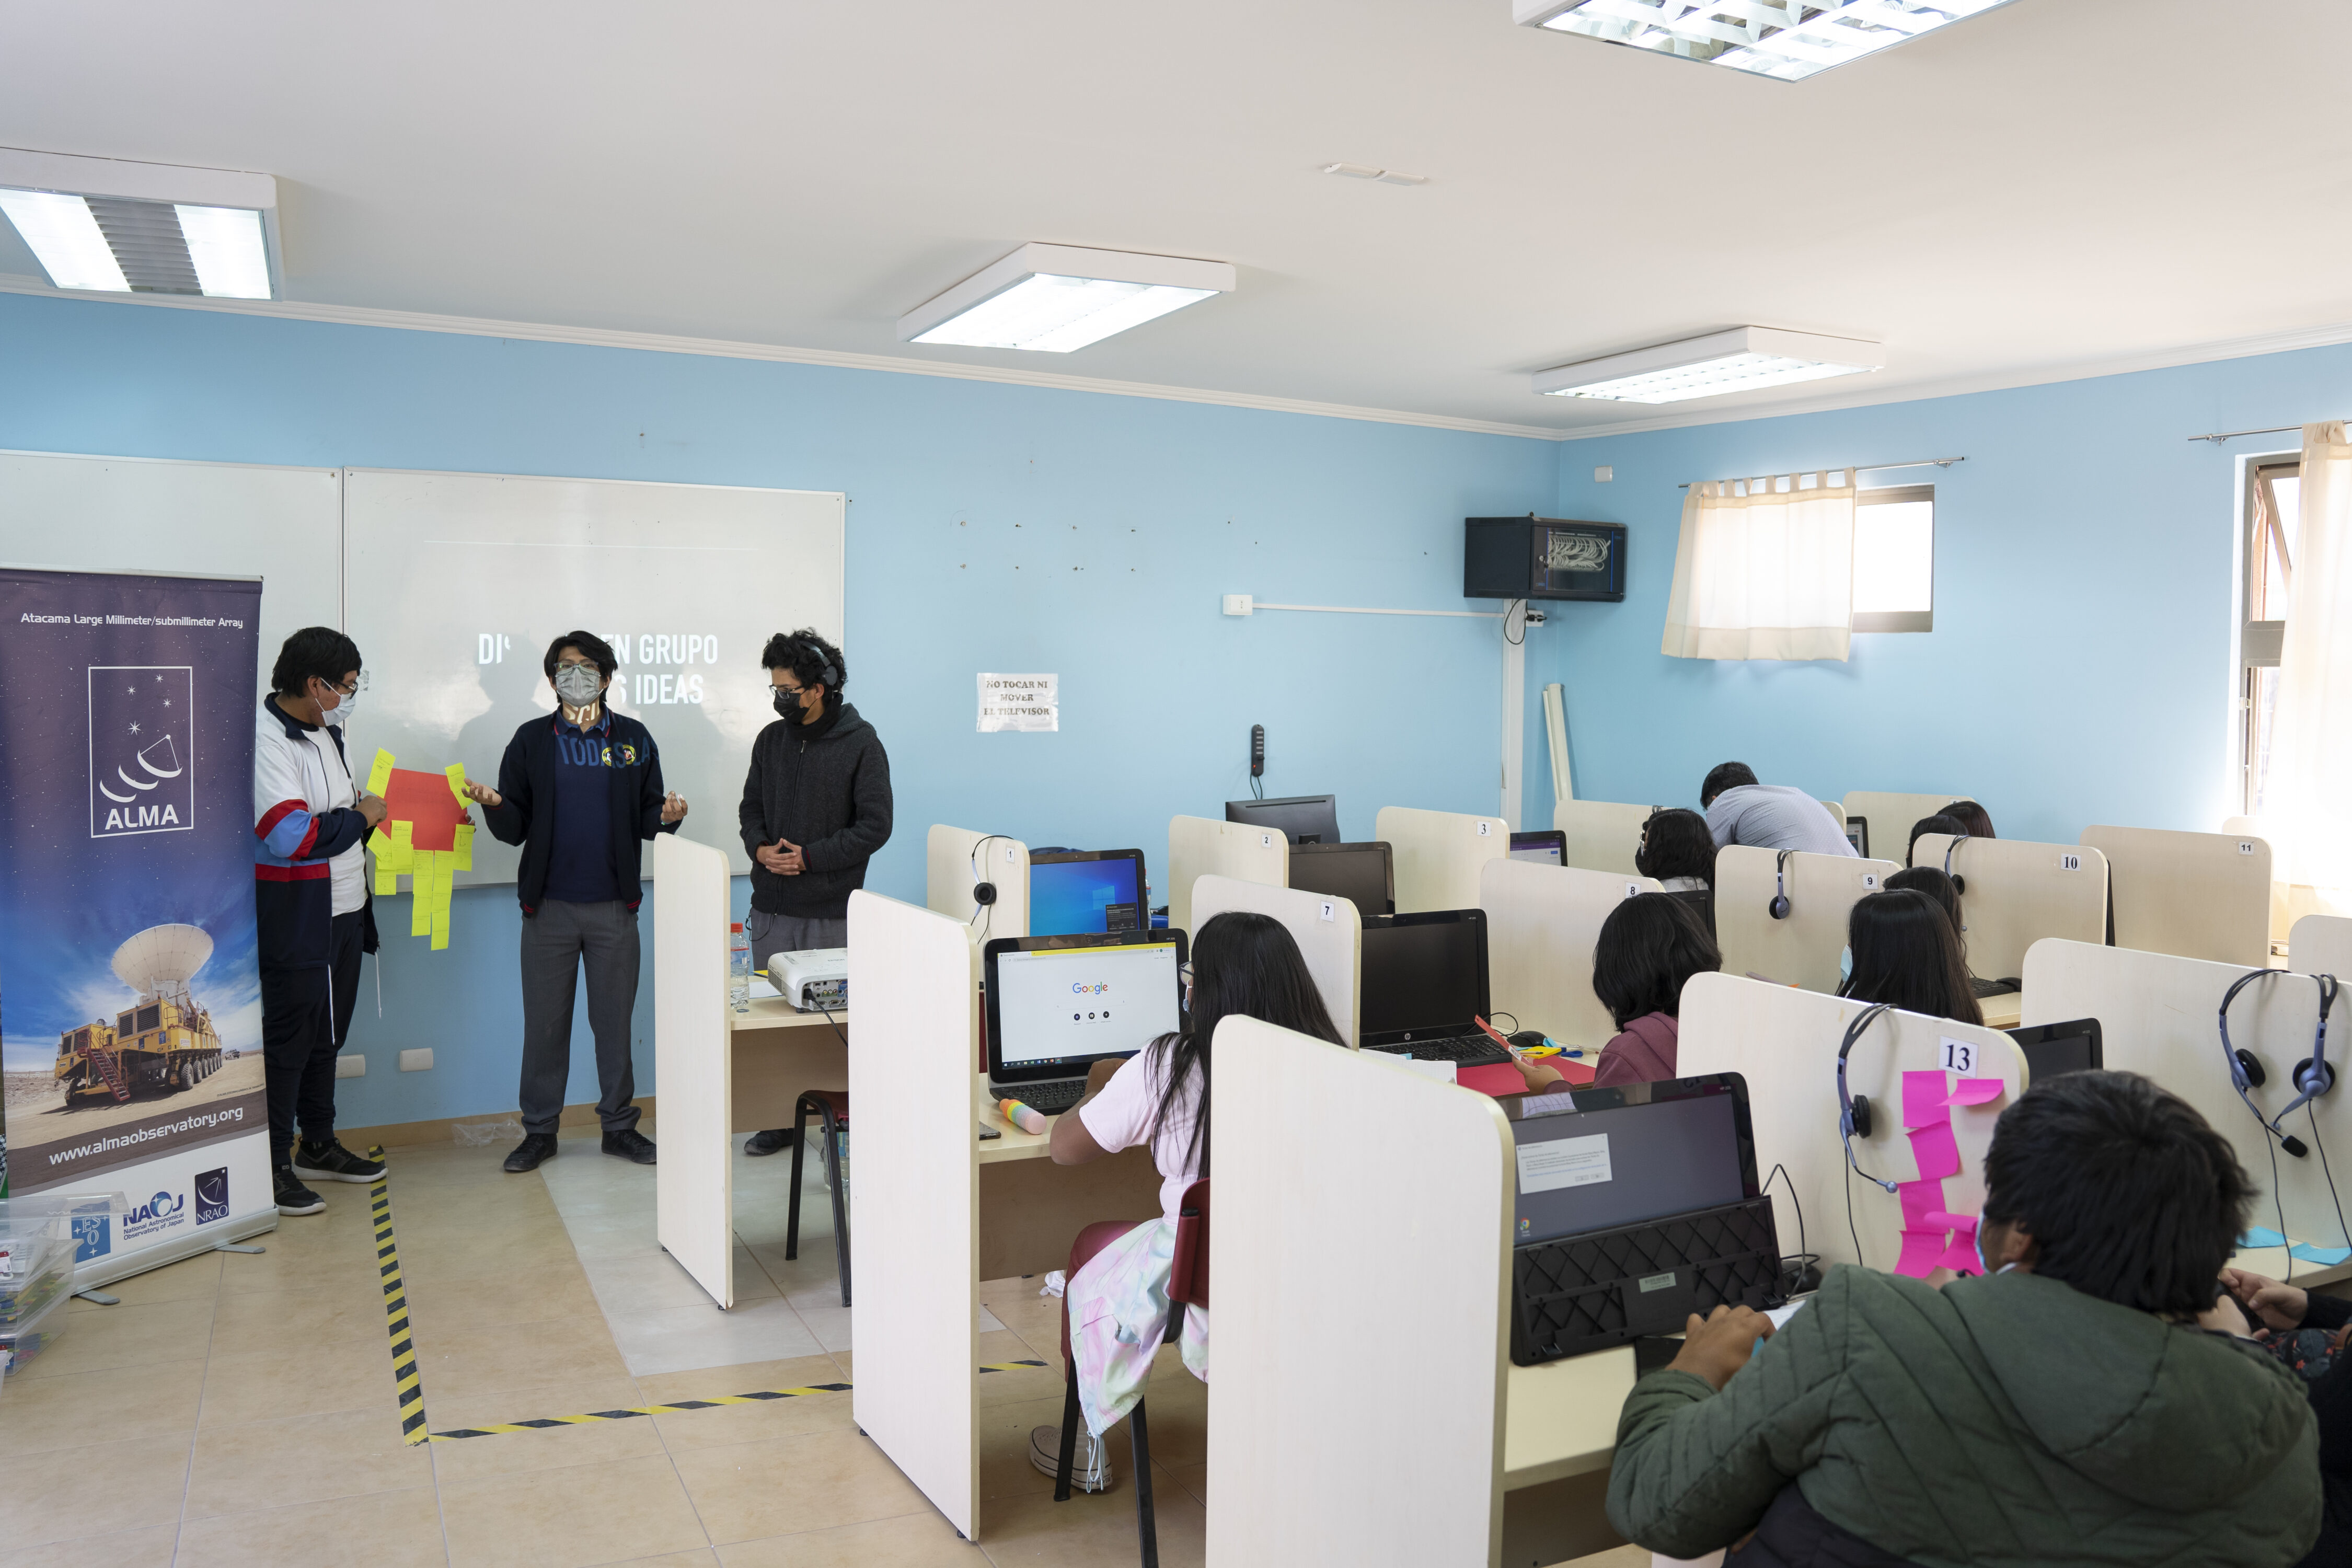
(339, 713)
(578, 684)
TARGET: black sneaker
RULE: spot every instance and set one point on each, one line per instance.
(293, 1197)
(774, 1141)
(330, 1161)
(631, 1145)
(535, 1147)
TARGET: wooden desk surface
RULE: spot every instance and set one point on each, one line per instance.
(1011, 1143)
(775, 1013)
(1561, 1418)
(2002, 1012)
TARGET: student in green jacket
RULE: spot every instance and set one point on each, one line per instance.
(2069, 1409)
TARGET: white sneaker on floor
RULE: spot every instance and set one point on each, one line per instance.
(1089, 1464)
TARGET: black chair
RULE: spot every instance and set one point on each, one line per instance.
(830, 1108)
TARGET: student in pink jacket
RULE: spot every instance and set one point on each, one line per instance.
(1649, 946)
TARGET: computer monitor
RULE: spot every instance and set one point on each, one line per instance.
(1425, 976)
(1548, 847)
(1075, 892)
(1302, 818)
(1363, 874)
(1056, 1005)
(1602, 1158)
(2055, 1049)
(1858, 833)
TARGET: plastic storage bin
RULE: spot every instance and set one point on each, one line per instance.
(37, 1262)
(22, 1343)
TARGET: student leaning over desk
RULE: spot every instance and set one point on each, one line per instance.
(2090, 1403)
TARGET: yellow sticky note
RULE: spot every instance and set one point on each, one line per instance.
(462, 856)
(387, 880)
(456, 772)
(393, 847)
(441, 890)
(420, 894)
(380, 774)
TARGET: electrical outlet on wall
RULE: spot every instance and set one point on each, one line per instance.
(351, 1067)
(416, 1061)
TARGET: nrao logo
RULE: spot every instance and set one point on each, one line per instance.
(212, 1195)
(162, 1211)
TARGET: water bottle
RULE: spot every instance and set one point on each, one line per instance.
(739, 968)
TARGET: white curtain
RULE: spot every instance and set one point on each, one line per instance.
(2309, 792)
(1764, 569)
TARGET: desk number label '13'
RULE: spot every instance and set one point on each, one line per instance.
(1959, 1056)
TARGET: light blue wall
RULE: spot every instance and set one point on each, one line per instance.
(2079, 670)
(991, 528)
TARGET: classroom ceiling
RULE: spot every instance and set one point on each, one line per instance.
(2055, 184)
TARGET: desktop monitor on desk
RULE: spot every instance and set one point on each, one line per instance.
(1858, 833)
(1302, 818)
(1057, 1005)
(1079, 891)
(1363, 874)
(1424, 977)
(1546, 846)
(2055, 1049)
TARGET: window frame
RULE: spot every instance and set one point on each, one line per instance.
(1900, 620)
(2256, 652)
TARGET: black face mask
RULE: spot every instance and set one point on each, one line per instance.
(788, 706)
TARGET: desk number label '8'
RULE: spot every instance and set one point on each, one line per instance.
(1958, 1055)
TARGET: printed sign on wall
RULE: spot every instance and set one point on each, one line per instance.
(1019, 702)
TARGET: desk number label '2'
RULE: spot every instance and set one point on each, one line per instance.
(1958, 1055)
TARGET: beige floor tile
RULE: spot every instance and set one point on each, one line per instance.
(150, 1548)
(1037, 1323)
(724, 1423)
(784, 1486)
(1194, 1478)
(1176, 1413)
(269, 1464)
(128, 1336)
(703, 1557)
(48, 1412)
(910, 1540)
(516, 1355)
(1003, 1431)
(300, 1380)
(81, 1492)
(577, 1515)
(548, 1448)
(385, 1529)
(442, 1305)
(1020, 1385)
(300, 1260)
(192, 1278)
(343, 1306)
(491, 1254)
(1032, 1530)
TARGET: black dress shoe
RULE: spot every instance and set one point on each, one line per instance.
(534, 1148)
(774, 1141)
(631, 1145)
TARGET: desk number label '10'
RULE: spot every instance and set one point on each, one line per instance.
(2070, 862)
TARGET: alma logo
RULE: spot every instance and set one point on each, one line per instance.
(161, 1212)
(142, 750)
(212, 1195)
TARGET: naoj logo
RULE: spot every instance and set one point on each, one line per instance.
(161, 1212)
(212, 1195)
(142, 751)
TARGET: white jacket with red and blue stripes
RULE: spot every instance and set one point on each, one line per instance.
(297, 830)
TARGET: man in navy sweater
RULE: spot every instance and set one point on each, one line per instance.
(581, 790)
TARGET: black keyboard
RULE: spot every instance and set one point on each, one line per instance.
(1461, 1050)
(1981, 989)
(1051, 1098)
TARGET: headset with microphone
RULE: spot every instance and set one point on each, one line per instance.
(1779, 904)
(829, 676)
(1958, 886)
(2312, 1077)
(1854, 1109)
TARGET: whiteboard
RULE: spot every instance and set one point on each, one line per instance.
(69, 512)
(458, 584)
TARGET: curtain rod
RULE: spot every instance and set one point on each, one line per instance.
(2218, 436)
(1874, 468)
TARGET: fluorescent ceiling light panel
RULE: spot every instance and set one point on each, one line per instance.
(1741, 360)
(148, 228)
(1057, 297)
(1785, 39)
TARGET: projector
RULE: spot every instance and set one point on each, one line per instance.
(817, 977)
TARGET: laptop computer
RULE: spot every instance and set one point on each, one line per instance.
(1363, 874)
(1545, 847)
(2055, 1049)
(1858, 833)
(1057, 1005)
(1082, 890)
(1634, 1207)
(1424, 987)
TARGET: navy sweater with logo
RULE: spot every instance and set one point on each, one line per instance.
(543, 809)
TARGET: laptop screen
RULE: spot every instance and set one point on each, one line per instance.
(1424, 974)
(1084, 895)
(1053, 1010)
(1625, 1156)
(2051, 1049)
(1544, 849)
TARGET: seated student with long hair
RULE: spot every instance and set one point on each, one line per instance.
(1973, 817)
(2083, 1401)
(1939, 823)
(1904, 952)
(1678, 849)
(1930, 880)
(1650, 944)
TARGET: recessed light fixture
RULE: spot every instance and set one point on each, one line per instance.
(1057, 298)
(1741, 359)
(144, 228)
(1785, 39)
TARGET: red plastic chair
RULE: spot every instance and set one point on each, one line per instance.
(830, 1108)
(1188, 1286)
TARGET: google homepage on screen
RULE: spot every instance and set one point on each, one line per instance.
(1083, 1002)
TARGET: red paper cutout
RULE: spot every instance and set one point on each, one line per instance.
(427, 801)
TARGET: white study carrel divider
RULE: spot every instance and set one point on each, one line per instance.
(2198, 895)
(956, 859)
(1804, 949)
(1601, 834)
(2321, 944)
(1438, 855)
(1891, 814)
(694, 1192)
(1202, 847)
(2017, 893)
(1328, 930)
(1541, 925)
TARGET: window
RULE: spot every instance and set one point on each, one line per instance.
(1895, 559)
(2273, 491)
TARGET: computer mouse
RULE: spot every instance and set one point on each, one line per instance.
(1528, 1039)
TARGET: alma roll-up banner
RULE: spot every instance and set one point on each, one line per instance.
(130, 984)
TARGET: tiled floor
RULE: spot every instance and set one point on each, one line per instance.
(239, 1410)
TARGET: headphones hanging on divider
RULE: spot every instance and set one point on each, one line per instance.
(1958, 884)
(1779, 904)
(984, 893)
(2312, 1077)
(1854, 1109)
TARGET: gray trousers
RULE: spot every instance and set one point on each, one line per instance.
(554, 940)
(791, 934)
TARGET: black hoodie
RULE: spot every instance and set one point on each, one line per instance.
(826, 787)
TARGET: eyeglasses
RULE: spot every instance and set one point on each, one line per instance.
(353, 689)
(794, 693)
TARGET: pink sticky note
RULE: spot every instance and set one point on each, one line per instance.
(1966, 1223)
(1975, 1090)
(1960, 1258)
(1924, 1099)
(1921, 1202)
(1921, 1248)
(1938, 1151)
